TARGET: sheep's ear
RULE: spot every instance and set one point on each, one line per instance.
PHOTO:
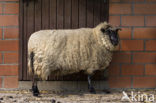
(118, 29)
(103, 30)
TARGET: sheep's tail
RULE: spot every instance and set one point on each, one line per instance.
(31, 63)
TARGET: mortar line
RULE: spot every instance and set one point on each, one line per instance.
(132, 33)
(9, 52)
(2, 58)
(2, 81)
(144, 72)
(120, 72)
(9, 27)
(144, 45)
(2, 33)
(120, 21)
(145, 20)
(6, 64)
(132, 57)
(132, 81)
(132, 8)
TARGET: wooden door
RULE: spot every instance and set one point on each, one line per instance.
(58, 14)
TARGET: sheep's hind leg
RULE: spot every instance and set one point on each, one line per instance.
(35, 87)
(34, 77)
(90, 87)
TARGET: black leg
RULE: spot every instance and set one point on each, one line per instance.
(90, 87)
(35, 87)
(35, 90)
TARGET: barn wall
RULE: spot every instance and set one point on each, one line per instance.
(134, 65)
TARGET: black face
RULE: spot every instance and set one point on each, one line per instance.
(113, 35)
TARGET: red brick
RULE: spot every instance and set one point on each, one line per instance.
(121, 57)
(8, 70)
(144, 33)
(132, 69)
(8, 20)
(0, 82)
(131, 45)
(144, 82)
(114, 70)
(151, 20)
(125, 33)
(120, 8)
(11, 33)
(0, 33)
(10, 58)
(141, 57)
(150, 69)
(120, 82)
(114, 20)
(0, 58)
(8, 45)
(145, 8)
(151, 45)
(1, 8)
(11, 8)
(117, 48)
(11, 82)
(132, 20)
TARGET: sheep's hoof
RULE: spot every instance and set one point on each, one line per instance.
(106, 91)
(35, 91)
(92, 90)
(53, 101)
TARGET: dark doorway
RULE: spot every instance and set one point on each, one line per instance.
(58, 14)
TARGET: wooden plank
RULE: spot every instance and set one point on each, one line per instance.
(90, 12)
(53, 14)
(30, 28)
(104, 10)
(37, 12)
(67, 14)
(82, 13)
(25, 43)
(45, 14)
(60, 14)
(75, 20)
(21, 17)
(96, 12)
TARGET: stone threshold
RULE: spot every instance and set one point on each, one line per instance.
(64, 85)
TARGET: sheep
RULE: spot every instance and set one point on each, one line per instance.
(63, 52)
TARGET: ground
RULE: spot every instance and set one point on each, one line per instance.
(25, 96)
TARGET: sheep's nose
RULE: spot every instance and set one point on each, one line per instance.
(115, 43)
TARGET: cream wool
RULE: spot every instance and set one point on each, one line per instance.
(62, 52)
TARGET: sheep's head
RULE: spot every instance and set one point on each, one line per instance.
(110, 35)
(112, 32)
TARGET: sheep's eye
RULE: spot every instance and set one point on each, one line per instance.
(108, 32)
(103, 30)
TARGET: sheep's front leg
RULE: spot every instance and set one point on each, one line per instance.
(90, 87)
(35, 87)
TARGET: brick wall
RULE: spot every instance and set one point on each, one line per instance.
(134, 65)
(9, 43)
